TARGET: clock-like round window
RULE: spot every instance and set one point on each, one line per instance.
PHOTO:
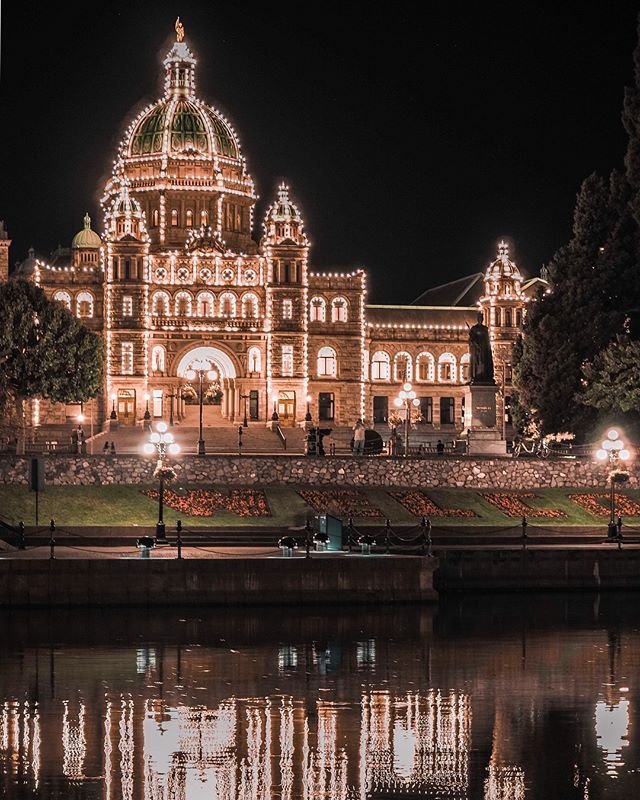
(182, 274)
(205, 274)
(249, 275)
(161, 274)
(227, 274)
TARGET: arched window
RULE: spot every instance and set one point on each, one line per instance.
(327, 362)
(205, 304)
(447, 368)
(425, 368)
(64, 298)
(250, 305)
(497, 317)
(84, 305)
(380, 366)
(160, 304)
(158, 359)
(338, 309)
(183, 304)
(317, 310)
(189, 218)
(464, 368)
(402, 367)
(174, 216)
(227, 305)
(155, 218)
(204, 218)
(254, 359)
(508, 316)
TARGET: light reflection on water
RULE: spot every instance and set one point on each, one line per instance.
(497, 698)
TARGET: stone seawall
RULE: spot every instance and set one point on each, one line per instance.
(462, 472)
(236, 581)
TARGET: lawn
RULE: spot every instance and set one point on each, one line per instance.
(129, 505)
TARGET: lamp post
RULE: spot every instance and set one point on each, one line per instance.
(161, 442)
(612, 451)
(407, 398)
(274, 416)
(245, 423)
(308, 414)
(147, 414)
(201, 369)
(113, 414)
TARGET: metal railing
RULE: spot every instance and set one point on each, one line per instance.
(280, 434)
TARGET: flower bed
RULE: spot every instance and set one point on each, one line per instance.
(513, 505)
(599, 504)
(423, 506)
(205, 502)
(340, 502)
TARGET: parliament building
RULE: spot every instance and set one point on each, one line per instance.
(176, 282)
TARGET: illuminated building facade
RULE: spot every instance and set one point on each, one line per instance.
(177, 278)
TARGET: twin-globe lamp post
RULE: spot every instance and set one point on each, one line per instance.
(201, 369)
(161, 442)
(612, 451)
(407, 398)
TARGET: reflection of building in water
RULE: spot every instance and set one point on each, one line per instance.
(505, 779)
(74, 743)
(612, 729)
(20, 743)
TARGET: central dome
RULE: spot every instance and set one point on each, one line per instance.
(183, 125)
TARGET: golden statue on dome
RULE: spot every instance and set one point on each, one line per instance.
(179, 30)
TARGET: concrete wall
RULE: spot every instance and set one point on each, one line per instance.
(473, 473)
(320, 580)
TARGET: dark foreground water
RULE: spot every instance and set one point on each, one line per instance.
(499, 698)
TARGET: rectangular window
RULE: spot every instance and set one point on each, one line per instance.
(426, 409)
(127, 358)
(447, 410)
(157, 402)
(287, 309)
(446, 375)
(380, 409)
(253, 404)
(287, 360)
(424, 373)
(127, 306)
(326, 406)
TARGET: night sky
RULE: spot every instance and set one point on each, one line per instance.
(411, 147)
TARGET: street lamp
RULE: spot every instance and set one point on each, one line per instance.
(147, 414)
(161, 442)
(613, 451)
(407, 398)
(245, 397)
(274, 416)
(308, 414)
(201, 369)
(113, 414)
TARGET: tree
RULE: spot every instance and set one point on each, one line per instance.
(612, 380)
(45, 352)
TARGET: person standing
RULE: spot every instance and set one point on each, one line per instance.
(358, 438)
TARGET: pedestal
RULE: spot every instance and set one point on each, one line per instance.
(483, 437)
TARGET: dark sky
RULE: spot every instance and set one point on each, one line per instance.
(411, 147)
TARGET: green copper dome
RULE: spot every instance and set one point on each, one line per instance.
(86, 238)
(179, 124)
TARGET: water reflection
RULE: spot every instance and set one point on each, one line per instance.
(491, 698)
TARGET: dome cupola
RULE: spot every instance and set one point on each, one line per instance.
(283, 222)
(86, 239)
(502, 277)
(124, 216)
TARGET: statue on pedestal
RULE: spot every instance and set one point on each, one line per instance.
(481, 368)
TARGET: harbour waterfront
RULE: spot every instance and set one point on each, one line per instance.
(480, 696)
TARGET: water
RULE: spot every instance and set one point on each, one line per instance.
(499, 698)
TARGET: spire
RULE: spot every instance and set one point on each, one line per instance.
(87, 222)
(503, 251)
(179, 64)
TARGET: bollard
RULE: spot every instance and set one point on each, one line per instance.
(307, 540)
(240, 440)
(619, 529)
(52, 541)
(350, 529)
(21, 544)
(524, 533)
(179, 537)
(429, 540)
(387, 537)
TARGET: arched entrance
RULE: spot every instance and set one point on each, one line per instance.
(218, 385)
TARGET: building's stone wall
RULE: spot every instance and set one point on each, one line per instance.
(463, 472)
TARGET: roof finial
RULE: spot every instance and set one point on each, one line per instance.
(87, 222)
(179, 30)
(503, 250)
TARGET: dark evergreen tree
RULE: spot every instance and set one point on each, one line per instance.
(45, 352)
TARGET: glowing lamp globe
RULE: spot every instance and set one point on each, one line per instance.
(155, 437)
(416, 402)
(407, 387)
(397, 402)
(149, 449)
(168, 437)
(162, 427)
(601, 454)
(174, 448)
(190, 374)
(612, 434)
(624, 455)
(212, 375)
